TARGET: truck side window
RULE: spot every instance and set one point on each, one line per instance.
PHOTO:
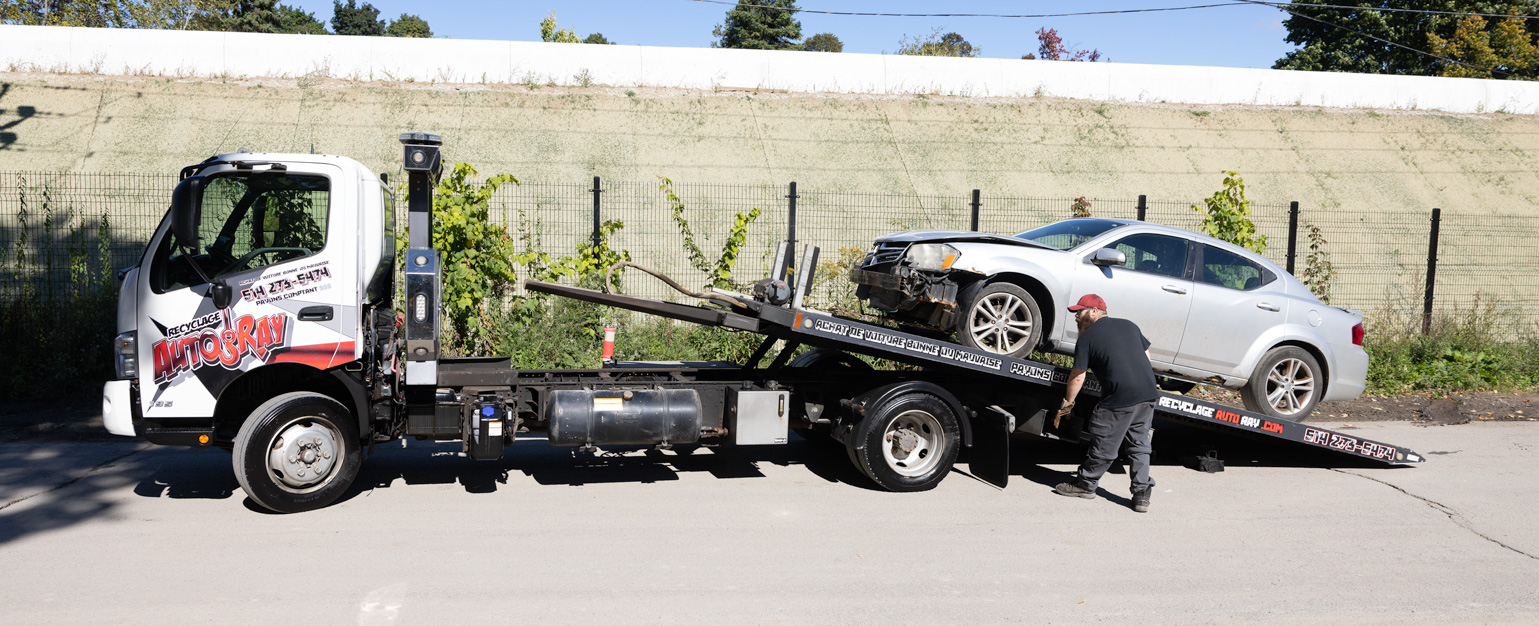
(1154, 254)
(248, 221)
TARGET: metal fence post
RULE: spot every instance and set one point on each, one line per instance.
(1293, 232)
(976, 204)
(791, 230)
(597, 236)
(1143, 206)
(1426, 311)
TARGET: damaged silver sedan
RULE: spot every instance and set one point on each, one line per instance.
(1214, 312)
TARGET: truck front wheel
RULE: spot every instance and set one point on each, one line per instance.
(911, 441)
(297, 452)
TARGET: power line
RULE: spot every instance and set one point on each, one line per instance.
(1277, 5)
(1281, 5)
(1041, 15)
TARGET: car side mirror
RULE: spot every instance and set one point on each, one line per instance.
(187, 210)
(1109, 256)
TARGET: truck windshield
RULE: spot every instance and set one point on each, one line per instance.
(1068, 233)
(248, 221)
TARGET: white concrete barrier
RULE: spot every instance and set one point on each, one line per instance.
(191, 53)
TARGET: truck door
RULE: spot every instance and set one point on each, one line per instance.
(281, 241)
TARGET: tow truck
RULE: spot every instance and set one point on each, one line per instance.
(262, 320)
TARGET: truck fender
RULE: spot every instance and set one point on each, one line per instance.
(856, 431)
(359, 396)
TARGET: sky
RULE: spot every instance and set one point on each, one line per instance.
(1229, 36)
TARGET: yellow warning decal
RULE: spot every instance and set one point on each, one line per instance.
(608, 404)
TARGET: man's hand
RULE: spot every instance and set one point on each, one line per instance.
(1068, 407)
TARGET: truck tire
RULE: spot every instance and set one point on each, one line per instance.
(1000, 318)
(297, 452)
(911, 441)
(1286, 384)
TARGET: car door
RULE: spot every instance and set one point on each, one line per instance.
(1234, 301)
(1151, 289)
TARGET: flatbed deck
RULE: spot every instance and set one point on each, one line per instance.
(801, 325)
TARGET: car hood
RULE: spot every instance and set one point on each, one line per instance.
(931, 236)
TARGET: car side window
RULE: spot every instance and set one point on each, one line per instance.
(1154, 254)
(1227, 269)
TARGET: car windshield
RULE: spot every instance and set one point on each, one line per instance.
(1068, 233)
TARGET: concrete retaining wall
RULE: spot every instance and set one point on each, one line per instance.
(209, 54)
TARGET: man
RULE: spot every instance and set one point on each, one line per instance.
(1118, 353)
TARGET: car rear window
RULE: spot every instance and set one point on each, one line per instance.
(1068, 233)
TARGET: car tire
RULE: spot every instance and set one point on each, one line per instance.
(910, 442)
(297, 452)
(1287, 384)
(1000, 318)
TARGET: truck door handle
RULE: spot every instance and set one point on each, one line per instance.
(315, 314)
(1267, 306)
(1173, 289)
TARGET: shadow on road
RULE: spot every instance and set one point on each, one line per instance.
(430, 463)
(46, 486)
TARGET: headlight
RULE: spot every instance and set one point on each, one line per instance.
(932, 256)
(125, 351)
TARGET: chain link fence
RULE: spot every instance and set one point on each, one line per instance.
(61, 232)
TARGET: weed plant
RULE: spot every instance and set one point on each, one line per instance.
(1468, 350)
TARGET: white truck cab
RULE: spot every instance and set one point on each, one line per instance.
(292, 251)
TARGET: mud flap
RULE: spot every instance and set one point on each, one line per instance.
(989, 459)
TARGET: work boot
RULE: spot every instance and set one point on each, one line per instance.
(1141, 501)
(1075, 488)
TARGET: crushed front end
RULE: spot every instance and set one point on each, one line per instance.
(912, 282)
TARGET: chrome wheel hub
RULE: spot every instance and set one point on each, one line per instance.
(1000, 323)
(303, 455)
(1290, 386)
(912, 443)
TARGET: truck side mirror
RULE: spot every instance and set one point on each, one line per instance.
(222, 294)
(1109, 256)
(187, 210)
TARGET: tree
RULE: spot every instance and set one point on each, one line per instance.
(90, 13)
(549, 32)
(408, 26)
(350, 19)
(1050, 48)
(256, 16)
(1326, 48)
(823, 42)
(938, 45)
(597, 38)
(759, 25)
(1506, 47)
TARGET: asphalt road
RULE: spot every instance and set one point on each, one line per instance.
(128, 533)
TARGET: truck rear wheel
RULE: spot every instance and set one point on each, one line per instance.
(297, 452)
(911, 441)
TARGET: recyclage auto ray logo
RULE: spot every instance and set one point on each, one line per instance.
(199, 343)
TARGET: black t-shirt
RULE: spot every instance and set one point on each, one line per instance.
(1113, 350)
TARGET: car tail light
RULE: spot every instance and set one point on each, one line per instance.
(1357, 334)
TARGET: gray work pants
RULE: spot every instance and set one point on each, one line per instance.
(1123, 428)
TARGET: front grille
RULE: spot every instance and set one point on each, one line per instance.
(885, 255)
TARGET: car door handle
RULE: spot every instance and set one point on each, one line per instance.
(1173, 289)
(1267, 306)
(315, 314)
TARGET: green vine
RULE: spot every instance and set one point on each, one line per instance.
(718, 272)
(1318, 269)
